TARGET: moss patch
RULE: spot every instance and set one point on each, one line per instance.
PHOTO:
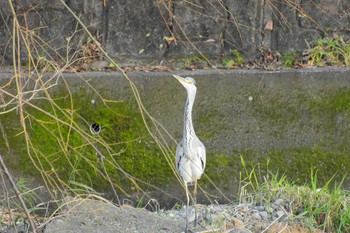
(296, 163)
(67, 154)
(65, 150)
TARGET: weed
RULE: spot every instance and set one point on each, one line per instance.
(192, 60)
(329, 51)
(326, 208)
(27, 193)
(140, 202)
(238, 57)
(233, 62)
(290, 59)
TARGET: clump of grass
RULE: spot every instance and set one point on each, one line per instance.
(329, 51)
(193, 61)
(326, 208)
(290, 59)
(28, 194)
(236, 59)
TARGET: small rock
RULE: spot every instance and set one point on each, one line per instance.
(260, 208)
(231, 225)
(256, 216)
(208, 216)
(279, 202)
(191, 215)
(280, 213)
(98, 65)
(237, 223)
(263, 214)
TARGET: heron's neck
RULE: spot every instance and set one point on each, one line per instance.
(188, 125)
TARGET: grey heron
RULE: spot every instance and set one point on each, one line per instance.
(190, 152)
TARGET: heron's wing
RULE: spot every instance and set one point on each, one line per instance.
(183, 164)
(190, 166)
(179, 154)
(201, 153)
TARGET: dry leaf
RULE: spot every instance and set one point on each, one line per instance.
(209, 41)
(169, 39)
(269, 25)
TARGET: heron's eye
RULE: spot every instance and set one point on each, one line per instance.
(189, 82)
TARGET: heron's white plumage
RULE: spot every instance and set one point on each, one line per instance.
(190, 165)
(190, 152)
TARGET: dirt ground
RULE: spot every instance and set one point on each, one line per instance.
(94, 216)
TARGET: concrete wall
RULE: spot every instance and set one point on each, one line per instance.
(245, 110)
(238, 110)
(134, 31)
(296, 119)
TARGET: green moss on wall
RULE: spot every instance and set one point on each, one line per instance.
(296, 163)
(57, 148)
(69, 149)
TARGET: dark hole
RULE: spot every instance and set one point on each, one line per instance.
(95, 128)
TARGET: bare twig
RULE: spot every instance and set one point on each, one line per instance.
(273, 222)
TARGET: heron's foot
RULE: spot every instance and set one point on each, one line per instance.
(195, 217)
(198, 222)
(188, 230)
(192, 226)
(193, 220)
(186, 227)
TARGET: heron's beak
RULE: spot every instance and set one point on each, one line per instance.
(181, 79)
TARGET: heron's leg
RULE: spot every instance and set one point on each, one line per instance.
(195, 203)
(187, 206)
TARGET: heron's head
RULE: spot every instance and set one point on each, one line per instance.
(188, 82)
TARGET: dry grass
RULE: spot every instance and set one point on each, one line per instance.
(19, 95)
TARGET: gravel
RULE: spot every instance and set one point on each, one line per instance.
(98, 216)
